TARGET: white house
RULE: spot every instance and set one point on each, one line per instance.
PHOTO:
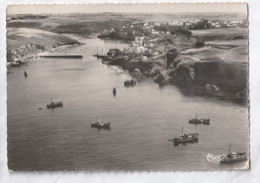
(140, 49)
(155, 32)
(139, 40)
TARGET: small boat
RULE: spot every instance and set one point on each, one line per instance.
(53, 105)
(98, 124)
(196, 120)
(185, 138)
(130, 82)
(114, 90)
(232, 157)
(25, 74)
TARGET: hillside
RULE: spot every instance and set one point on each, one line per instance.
(73, 23)
(23, 43)
(218, 69)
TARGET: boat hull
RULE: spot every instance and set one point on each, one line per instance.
(200, 121)
(184, 141)
(186, 138)
(100, 126)
(54, 105)
(236, 158)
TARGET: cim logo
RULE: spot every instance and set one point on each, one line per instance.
(213, 158)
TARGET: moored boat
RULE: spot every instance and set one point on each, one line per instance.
(185, 138)
(25, 74)
(98, 124)
(114, 91)
(233, 157)
(53, 105)
(196, 120)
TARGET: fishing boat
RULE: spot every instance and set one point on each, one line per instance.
(53, 105)
(233, 157)
(185, 138)
(196, 120)
(98, 124)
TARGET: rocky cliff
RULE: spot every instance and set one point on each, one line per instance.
(213, 72)
(215, 78)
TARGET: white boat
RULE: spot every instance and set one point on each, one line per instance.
(232, 157)
(98, 124)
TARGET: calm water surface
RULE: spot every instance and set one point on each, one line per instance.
(142, 118)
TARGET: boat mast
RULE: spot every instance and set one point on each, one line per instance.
(229, 148)
(196, 116)
(182, 130)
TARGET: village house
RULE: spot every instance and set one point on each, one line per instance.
(140, 49)
(155, 32)
(106, 32)
(123, 33)
(139, 40)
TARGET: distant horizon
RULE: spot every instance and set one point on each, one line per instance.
(164, 8)
(167, 13)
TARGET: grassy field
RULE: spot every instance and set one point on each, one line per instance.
(74, 23)
(99, 21)
(23, 36)
(221, 34)
(236, 54)
(220, 46)
(220, 31)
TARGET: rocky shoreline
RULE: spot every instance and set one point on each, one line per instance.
(209, 78)
(26, 44)
(17, 58)
(213, 79)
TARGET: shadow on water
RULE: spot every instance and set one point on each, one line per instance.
(114, 93)
(51, 109)
(185, 143)
(244, 163)
(98, 130)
